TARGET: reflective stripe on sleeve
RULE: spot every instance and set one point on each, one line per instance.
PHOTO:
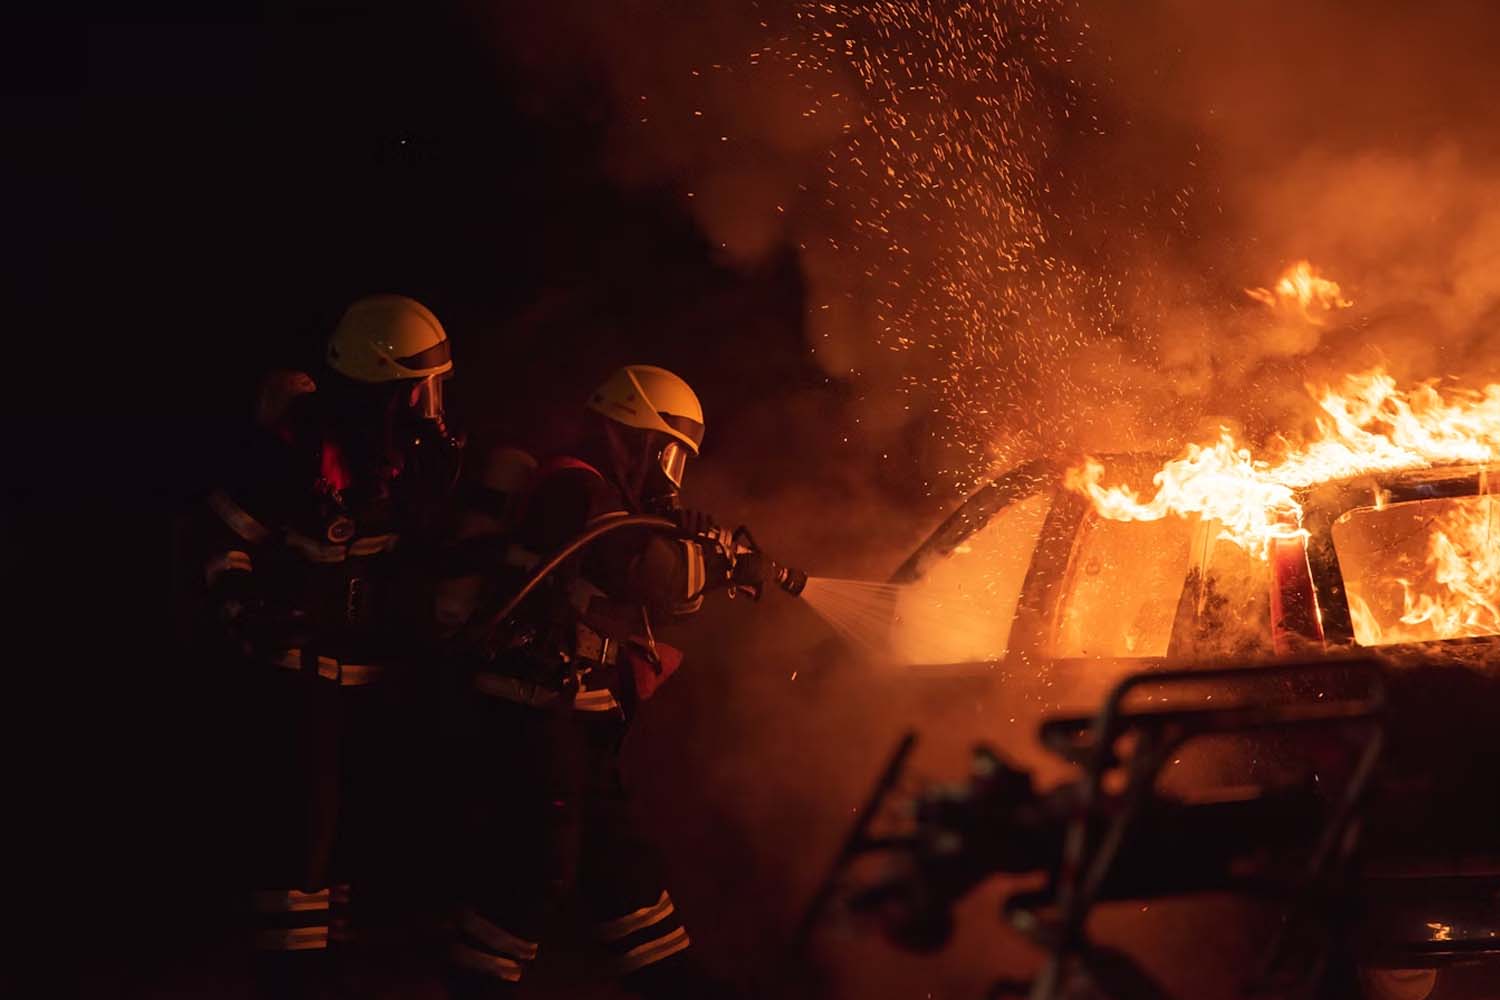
(324, 552)
(497, 937)
(373, 544)
(654, 951)
(494, 965)
(595, 701)
(356, 674)
(292, 939)
(688, 607)
(233, 561)
(632, 922)
(290, 900)
(237, 518)
(697, 576)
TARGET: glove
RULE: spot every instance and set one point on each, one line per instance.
(697, 524)
(749, 572)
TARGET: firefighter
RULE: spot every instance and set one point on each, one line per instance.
(313, 541)
(553, 693)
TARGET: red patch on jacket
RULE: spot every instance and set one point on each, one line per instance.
(649, 675)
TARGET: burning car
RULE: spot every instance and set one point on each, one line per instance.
(1348, 624)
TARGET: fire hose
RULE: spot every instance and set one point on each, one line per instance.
(732, 546)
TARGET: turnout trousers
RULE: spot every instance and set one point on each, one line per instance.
(320, 789)
(550, 818)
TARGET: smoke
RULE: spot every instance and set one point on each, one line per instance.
(1355, 140)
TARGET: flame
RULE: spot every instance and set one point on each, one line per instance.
(1220, 482)
(1299, 290)
(1368, 425)
(1458, 593)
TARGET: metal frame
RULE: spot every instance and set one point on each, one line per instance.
(1054, 917)
(1093, 838)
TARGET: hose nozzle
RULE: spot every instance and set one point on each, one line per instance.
(791, 580)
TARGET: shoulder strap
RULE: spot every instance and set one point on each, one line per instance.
(563, 463)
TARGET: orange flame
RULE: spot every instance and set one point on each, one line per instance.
(1299, 290)
(1459, 591)
(1368, 425)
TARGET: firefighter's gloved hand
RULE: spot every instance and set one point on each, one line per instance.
(697, 523)
(750, 571)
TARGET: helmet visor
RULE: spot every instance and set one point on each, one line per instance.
(673, 461)
(427, 396)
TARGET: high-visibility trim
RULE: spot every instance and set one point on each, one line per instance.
(233, 561)
(595, 701)
(290, 900)
(316, 551)
(373, 544)
(688, 607)
(634, 921)
(291, 659)
(345, 674)
(493, 965)
(654, 951)
(358, 674)
(324, 552)
(237, 518)
(228, 562)
(497, 937)
(292, 939)
(697, 575)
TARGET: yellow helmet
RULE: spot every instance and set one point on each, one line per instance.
(652, 399)
(383, 338)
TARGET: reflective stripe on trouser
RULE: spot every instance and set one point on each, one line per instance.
(491, 950)
(294, 920)
(644, 936)
(345, 674)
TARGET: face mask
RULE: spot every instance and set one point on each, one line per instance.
(673, 461)
(427, 398)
